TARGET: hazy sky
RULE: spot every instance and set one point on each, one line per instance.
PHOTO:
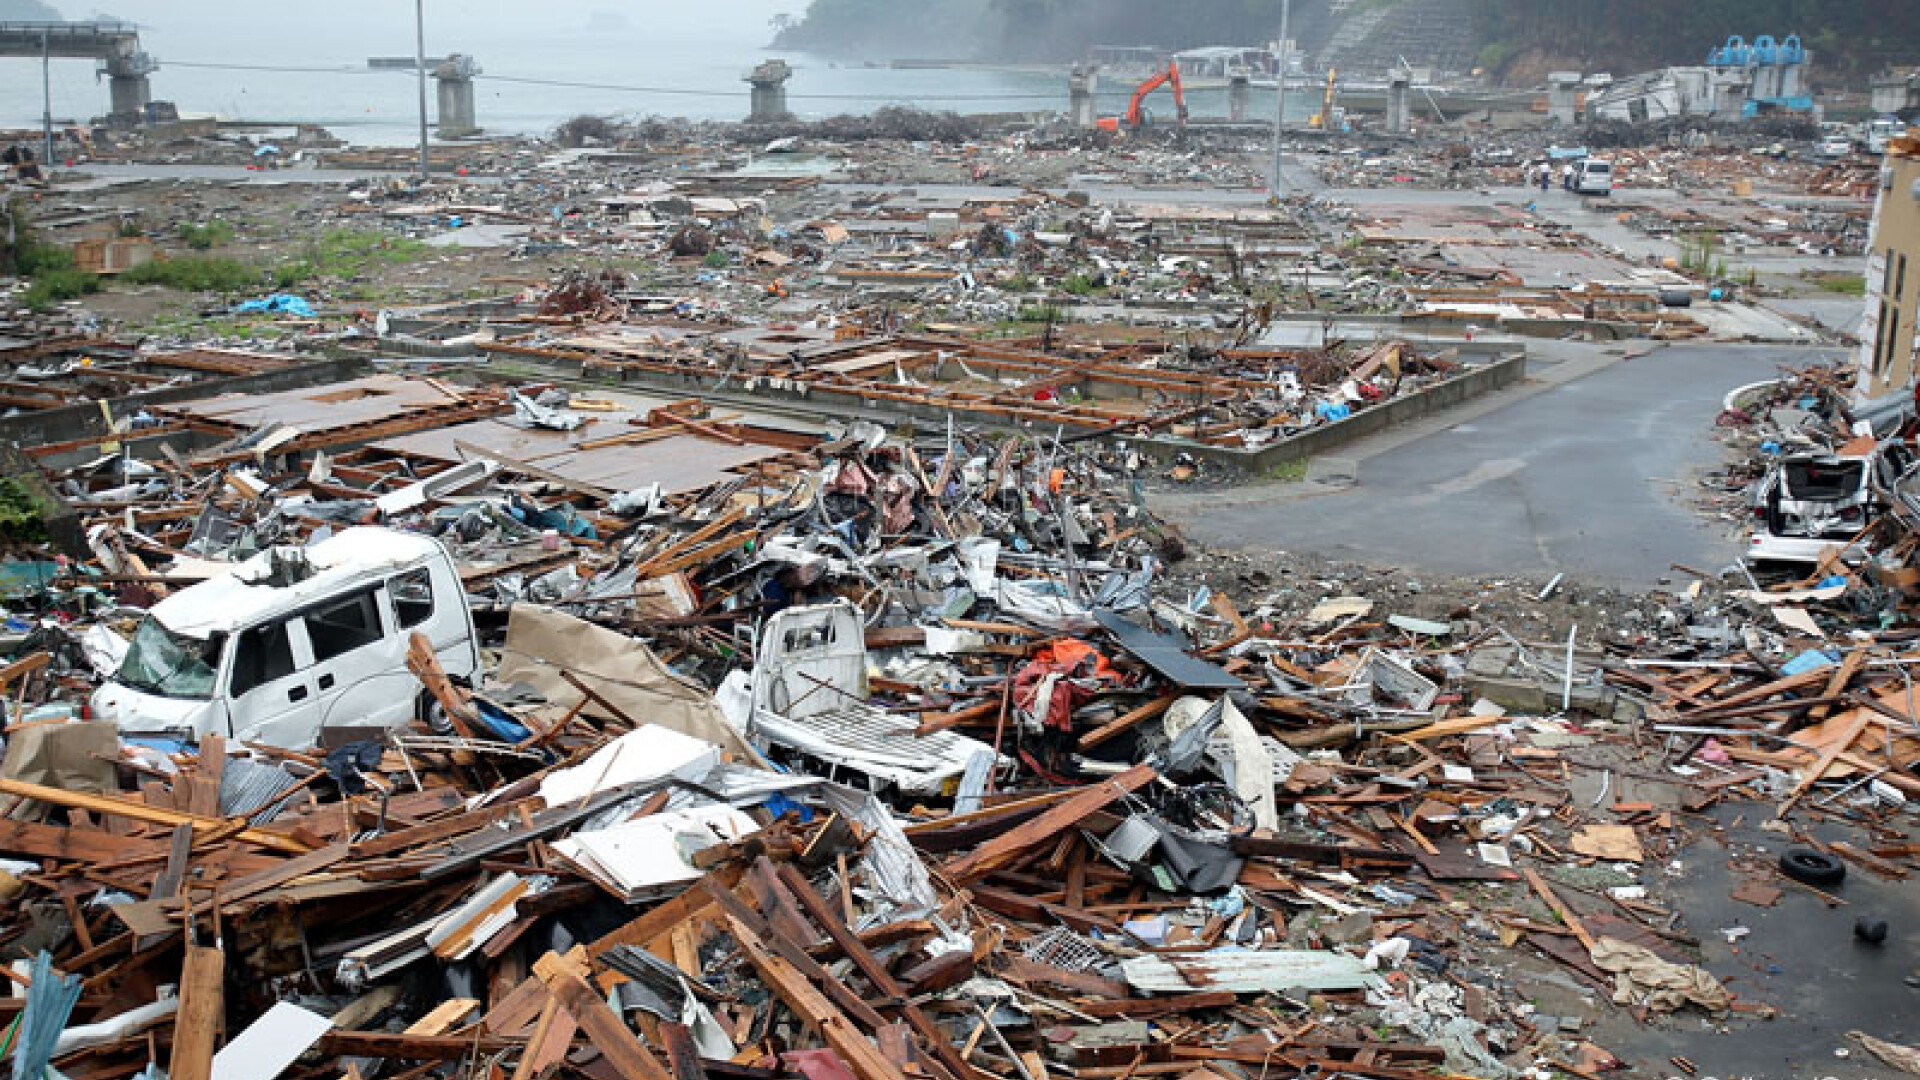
(280, 29)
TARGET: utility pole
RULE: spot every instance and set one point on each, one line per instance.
(420, 75)
(1280, 95)
(46, 99)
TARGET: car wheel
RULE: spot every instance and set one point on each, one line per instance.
(433, 714)
(1811, 867)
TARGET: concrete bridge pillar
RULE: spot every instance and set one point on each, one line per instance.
(1080, 84)
(1239, 96)
(1563, 97)
(128, 87)
(453, 79)
(769, 83)
(1399, 86)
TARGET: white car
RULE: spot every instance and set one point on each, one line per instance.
(1835, 146)
(1808, 503)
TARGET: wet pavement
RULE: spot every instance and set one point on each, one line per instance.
(1798, 956)
(1592, 477)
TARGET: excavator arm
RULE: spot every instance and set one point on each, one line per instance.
(1136, 113)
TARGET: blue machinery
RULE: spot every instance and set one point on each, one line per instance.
(1775, 71)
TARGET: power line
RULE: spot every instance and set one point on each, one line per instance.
(684, 91)
(272, 67)
(672, 91)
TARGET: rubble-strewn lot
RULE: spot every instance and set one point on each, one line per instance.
(680, 606)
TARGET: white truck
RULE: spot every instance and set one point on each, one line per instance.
(809, 698)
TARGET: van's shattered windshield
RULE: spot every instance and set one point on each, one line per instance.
(169, 664)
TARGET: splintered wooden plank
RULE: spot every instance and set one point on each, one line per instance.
(197, 1026)
(1122, 724)
(604, 1028)
(1848, 733)
(552, 1037)
(1095, 797)
(792, 988)
(105, 804)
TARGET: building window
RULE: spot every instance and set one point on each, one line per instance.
(1886, 274)
(1900, 280)
(1893, 339)
(1880, 350)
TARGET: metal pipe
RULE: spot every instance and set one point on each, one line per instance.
(46, 98)
(1280, 94)
(420, 75)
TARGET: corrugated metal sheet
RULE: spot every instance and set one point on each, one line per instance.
(249, 788)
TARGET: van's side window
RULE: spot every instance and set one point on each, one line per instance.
(260, 656)
(343, 626)
(412, 597)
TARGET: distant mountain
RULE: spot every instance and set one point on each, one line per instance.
(1519, 40)
(28, 11)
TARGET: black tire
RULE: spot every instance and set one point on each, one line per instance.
(1813, 868)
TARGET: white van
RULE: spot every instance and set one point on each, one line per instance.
(1593, 176)
(295, 640)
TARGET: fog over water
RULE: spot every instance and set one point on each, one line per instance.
(699, 52)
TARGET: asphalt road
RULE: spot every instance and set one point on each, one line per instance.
(1589, 477)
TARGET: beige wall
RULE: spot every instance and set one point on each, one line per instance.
(1891, 329)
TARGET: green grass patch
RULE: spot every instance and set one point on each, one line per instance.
(1082, 285)
(197, 273)
(345, 253)
(50, 287)
(1291, 472)
(23, 518)
(206, 237)
(1843, 284)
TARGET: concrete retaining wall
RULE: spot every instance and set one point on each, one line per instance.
(1481, 379)
(824, 403)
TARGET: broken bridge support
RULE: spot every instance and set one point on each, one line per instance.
(453, 79)
(1080, 84)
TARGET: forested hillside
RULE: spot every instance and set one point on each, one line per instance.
(1851, 38)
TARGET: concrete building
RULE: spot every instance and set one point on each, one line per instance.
(1890, 326)
(1896, 92)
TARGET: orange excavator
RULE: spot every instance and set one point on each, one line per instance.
(1136, 117)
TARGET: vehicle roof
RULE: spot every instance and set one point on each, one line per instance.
(235, 599)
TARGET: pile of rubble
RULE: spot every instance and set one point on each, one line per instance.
(891, 757)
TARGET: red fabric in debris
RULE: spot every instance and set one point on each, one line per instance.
(1082, 670)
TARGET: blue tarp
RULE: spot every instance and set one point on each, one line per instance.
(278, 304)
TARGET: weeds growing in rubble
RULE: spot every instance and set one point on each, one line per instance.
(346, 253)
(50, 287)
(196, 273)
(49, 268)
(22, 517)
(1844, 284)
(206, 237)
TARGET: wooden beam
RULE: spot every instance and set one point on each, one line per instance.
(861, 1056)
(1539, 885)
(1119, 725)
(997, 852)
(153, 815)
(602, 1025)
(1852, 730)
(196, 1027)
